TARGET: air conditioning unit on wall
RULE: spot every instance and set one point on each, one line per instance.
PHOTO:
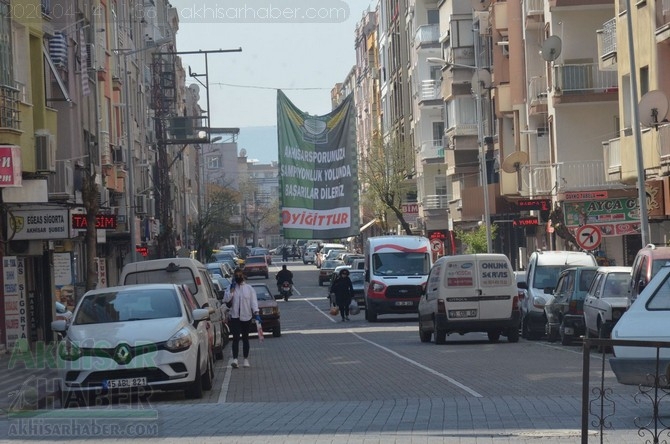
(45, 152)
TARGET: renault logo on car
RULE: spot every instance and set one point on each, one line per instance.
(122, 354)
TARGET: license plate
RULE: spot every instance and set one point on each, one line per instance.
(126, 383)
(462, 313)
(404, 303)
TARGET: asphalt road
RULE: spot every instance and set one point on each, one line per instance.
(329, 381)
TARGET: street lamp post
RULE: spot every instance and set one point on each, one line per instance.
(480, 136)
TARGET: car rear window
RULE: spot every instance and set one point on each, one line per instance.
(255, 260)
(585, 279)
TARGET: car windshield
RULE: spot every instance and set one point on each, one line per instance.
(356, 277)
(616, 285)
(263, 293)
(547, 276)
(330, 264)
(128, 305)
(401, 264)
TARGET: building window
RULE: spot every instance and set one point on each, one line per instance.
(213, 163)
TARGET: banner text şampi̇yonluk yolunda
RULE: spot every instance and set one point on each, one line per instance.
(318, 171)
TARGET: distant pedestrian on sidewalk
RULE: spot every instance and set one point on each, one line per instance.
(344, 292)
(241, 297)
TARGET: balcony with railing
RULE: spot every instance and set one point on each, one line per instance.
(664, 142)
(607, 45)
(612, 156)
(565, 176)
(461, 117)
(534, 10)
(436, 202)
(427, 36)
(430, 92)
(584, 82)
(662, 20)
(537, 94)
(9, 108)
(431, 149)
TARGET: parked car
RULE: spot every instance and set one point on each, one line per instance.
(645, 320)
(565, 309)
(256, 266)
(269, 309)
(122, 338)
(181, 271)
(470, 293)
(218, 268)
(262, 252)
(648, 261)
(227, 255)
(606, 300)
(541, 277)
(326, 270)
(348, 258)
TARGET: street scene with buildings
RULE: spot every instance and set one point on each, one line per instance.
(498, 172)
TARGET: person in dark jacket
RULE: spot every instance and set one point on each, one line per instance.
(344, 292)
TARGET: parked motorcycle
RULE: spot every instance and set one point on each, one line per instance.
(286, 290)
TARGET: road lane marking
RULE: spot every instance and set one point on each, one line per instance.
(227, 370)
(423, 367)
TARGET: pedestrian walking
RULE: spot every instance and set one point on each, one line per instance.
(243, 303)
(344, 292)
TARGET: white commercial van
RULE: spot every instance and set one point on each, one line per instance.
(396, 269)
(470, 293)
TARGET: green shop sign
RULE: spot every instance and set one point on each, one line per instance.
(607, 211)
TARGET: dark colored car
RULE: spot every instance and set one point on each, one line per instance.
(256, 266)
(269, 309)
(565, 310)
(258, 251)
(326, 270)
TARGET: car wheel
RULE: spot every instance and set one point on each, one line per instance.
(194, 390)
(276, 332)
(525, 331)
(494, 336)
(208, 379)
(424, 335)
(440, 337)
(552, 336)
(603, 333)
(370, 315)
(513, 334)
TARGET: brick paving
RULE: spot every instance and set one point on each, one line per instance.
(319, 383)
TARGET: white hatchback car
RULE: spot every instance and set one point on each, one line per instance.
(139, 337)
(645, 320)
(606, 300)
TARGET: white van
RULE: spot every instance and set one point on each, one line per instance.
(541, 278)
(396, 269)
(470, 293)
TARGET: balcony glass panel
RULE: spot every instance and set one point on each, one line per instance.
(461, 114)
(436, 202)
(431, 90)
(432, 149)
(427, 34)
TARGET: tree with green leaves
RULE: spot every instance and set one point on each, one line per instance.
(475, 240)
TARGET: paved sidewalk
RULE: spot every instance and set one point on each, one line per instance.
(32, 374)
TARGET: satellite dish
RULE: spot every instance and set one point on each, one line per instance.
(653, 108)
(514, 162)
(243, 153)
(481, 81)
(194, 87)
(480, 5)
(551, 48)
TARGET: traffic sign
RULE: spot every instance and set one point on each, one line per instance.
(589, 237)
(436, 244)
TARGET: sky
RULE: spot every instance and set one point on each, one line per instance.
(281, 48)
